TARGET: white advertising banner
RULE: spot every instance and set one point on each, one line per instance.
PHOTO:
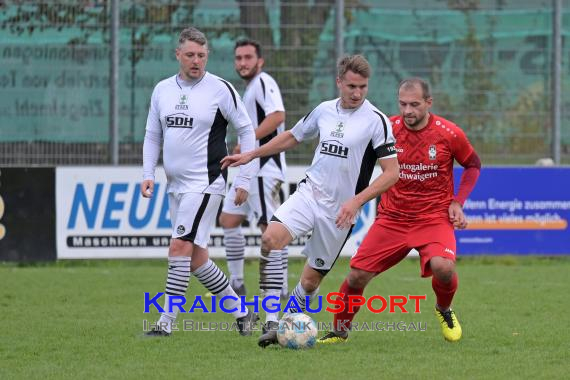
(101, 215)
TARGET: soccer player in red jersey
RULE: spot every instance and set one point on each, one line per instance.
(420, 211)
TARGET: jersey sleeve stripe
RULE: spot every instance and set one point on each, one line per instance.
(366, 168)
(231, 91)
(306, 116)
(262, 86)
(385, 126)
(385, 150)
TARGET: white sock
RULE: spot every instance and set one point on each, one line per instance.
(271, 304)
(230, 303)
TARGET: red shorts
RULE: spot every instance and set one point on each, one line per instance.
(388, 242)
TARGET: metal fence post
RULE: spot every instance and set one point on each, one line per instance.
(339, 28)
(114, 85)
(556, 79)
(338, 35)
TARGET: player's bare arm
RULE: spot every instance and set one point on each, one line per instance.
(151, 152)
(471, 169)
(282, 142)
(389, 176)
(269, 124)
(147, 188)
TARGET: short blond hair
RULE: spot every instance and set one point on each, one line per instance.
(194, 35)
(355, 63)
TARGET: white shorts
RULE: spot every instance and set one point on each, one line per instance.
(262, 201)
(193, 216)
(302, 213)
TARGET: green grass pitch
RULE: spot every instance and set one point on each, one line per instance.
(83, 319)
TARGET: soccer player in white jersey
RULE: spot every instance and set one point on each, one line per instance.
(352, 135)
(262, 99)
(189, 113)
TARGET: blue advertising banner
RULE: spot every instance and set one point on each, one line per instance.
(517, 210)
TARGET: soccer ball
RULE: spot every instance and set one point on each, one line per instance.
(297, 331)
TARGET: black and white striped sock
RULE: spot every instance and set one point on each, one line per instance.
(284, 265)
(271, 281)
(300, 296)
(217, 283)
(234, 242)
(176, 285)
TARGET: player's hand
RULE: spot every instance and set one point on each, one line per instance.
(241, 196)
(456, 215)
(236, 160)
(347, 214)
(237, 149)
(147, 188)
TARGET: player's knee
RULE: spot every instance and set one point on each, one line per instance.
(268, 243)
(310, 284)
(228, 221)
(444, 276)
(223, 221)
(179, 247)
(358, 279)
(442, 268)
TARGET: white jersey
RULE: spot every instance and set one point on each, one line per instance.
(350, 142)
(261, 98)
(192, 119)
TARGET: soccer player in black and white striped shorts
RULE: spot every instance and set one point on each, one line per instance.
(353, 134)
(189, 113)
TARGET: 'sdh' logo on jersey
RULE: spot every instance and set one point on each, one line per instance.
(179, 120)
(180, 229)
(319, 263)
(338, 131)
(432, 152)
(182, 103)
(334, 148)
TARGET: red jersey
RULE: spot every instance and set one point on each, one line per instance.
(425, 188)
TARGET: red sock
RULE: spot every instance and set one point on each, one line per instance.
(444, 292)
(343, 320)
